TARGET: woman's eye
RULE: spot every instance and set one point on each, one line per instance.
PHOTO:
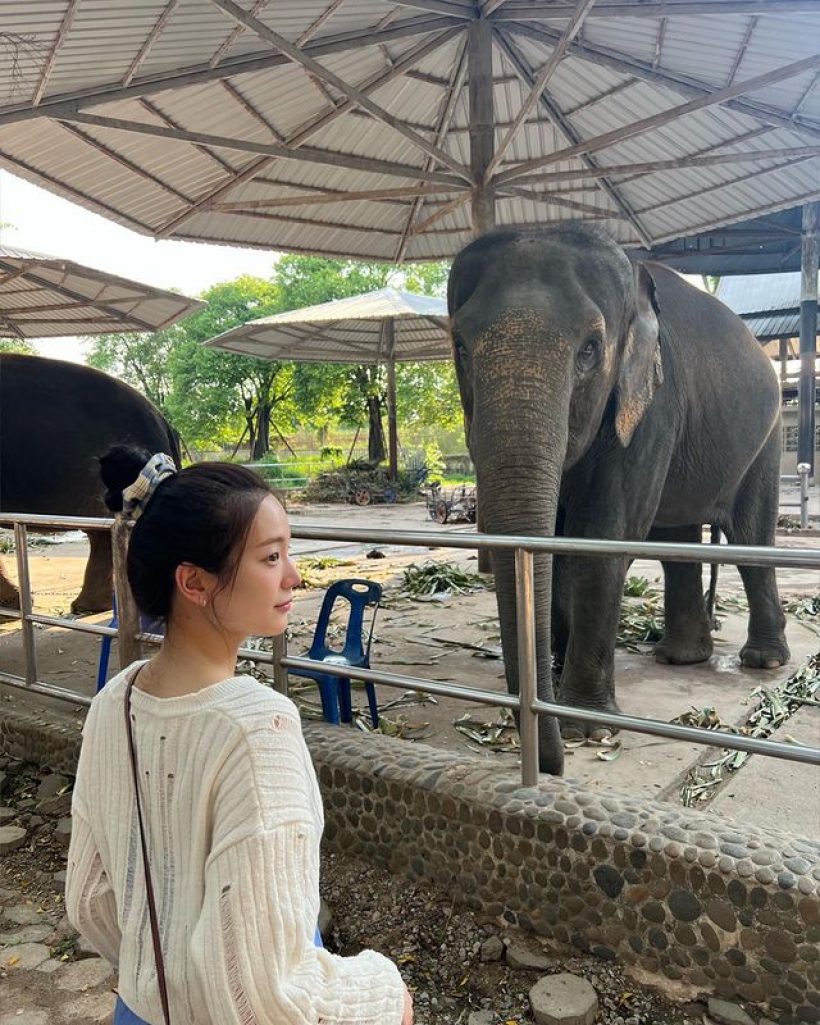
(273, 557)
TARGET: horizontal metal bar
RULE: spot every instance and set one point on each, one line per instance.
(63, 522)
(10, 613)
(627, 723)
(751, 555)
(46, 690)
(414, 683)
(73, 624)
(677, 731)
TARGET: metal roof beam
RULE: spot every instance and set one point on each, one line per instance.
(153, 35)
(306, 153)
(538, 81)
(522, 68)
(673, 164)
(673, 80)
(361, 99)
(314, 199)
(712, 99)
(661, 8)
(456, 8)
(558, 200)
(448, 106)
(407, 60)
(60, 106)
(48, 67)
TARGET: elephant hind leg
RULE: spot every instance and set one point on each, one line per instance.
(98, 584)
(9, 595)
(754, 520)
(687, 635)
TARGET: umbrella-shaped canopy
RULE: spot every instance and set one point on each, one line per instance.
(383, 326)
(45, 296)
(392, 129)
(769, 303)
(353, 330)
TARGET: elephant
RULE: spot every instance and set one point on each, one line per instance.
(56, 419)
(606, 400)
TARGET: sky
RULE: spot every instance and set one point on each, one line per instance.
(32, 218)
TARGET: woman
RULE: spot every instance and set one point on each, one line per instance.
(230, 807)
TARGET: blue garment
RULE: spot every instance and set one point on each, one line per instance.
(124, 1016)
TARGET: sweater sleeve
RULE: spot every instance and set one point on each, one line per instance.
(89, 898)
(253, 946)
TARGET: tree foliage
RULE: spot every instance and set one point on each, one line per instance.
(215, 397)
(21, 345)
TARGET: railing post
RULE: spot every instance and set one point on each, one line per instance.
(803, 470)
(128, 616)
(527, 665)
(24, 589)
(280, 673)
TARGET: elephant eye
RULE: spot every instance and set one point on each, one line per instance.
(589, 354)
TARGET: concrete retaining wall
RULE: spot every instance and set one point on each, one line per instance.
(676, 894)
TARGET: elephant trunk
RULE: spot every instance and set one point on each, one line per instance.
(519, 444)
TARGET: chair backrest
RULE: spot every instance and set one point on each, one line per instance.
(360, 594)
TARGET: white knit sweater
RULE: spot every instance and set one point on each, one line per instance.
(233, 818)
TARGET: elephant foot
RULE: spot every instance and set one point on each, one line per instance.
(84, 604)
(762, 655)
(10, 597)
(683, 651)
(576, 729)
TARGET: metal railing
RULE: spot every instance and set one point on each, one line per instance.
(526, 703)
(802, 479)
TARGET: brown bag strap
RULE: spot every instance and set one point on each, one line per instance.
(152, 907)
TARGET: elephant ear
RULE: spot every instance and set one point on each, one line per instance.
(641, 370)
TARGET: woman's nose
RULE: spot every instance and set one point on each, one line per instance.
(293, 579)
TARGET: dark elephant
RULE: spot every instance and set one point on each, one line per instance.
(56, 419)
(608, 401)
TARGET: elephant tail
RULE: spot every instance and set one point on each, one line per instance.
(711, 596)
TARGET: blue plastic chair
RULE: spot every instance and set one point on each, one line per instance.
(148, 626)
(335, 690)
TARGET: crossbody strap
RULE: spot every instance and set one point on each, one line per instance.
(152, 907)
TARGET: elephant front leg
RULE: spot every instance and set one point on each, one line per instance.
(97, 588)
(588, 679)
(687, 637)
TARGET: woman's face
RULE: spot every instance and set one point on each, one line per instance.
(258, 602)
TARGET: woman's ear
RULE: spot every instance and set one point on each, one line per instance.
(641, 371)
(194, 584)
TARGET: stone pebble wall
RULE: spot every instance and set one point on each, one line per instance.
(681, 895)
(677, 894)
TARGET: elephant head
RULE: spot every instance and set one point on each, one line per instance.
(555, 340)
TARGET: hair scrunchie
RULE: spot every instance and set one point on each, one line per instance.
(137, 495)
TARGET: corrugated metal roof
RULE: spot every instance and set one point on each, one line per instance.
(752, 296)
(219, 131)
(348, 330)
(44, 296)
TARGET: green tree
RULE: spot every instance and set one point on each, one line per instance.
(213, 390)
(22, 345)
(143, 360)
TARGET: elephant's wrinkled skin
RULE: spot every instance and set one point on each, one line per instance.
(606, 401)
(56, 419)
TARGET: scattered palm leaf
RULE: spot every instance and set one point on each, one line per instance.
(641, 623)
(775, 705)
(439, 578)
(637, 587)
(497, 735)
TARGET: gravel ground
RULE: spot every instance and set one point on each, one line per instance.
(442, 950)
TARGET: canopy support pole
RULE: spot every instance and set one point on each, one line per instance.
(482, 145)
(808, 334)
(392, 431)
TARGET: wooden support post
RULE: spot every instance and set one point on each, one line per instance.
(482, 122)
(128, 616)
(482, 145)
(392, 429)
(280, 674)
(808, 334)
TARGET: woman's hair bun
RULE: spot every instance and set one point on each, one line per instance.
(120, 467)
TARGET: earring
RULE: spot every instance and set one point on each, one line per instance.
(203, 602)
